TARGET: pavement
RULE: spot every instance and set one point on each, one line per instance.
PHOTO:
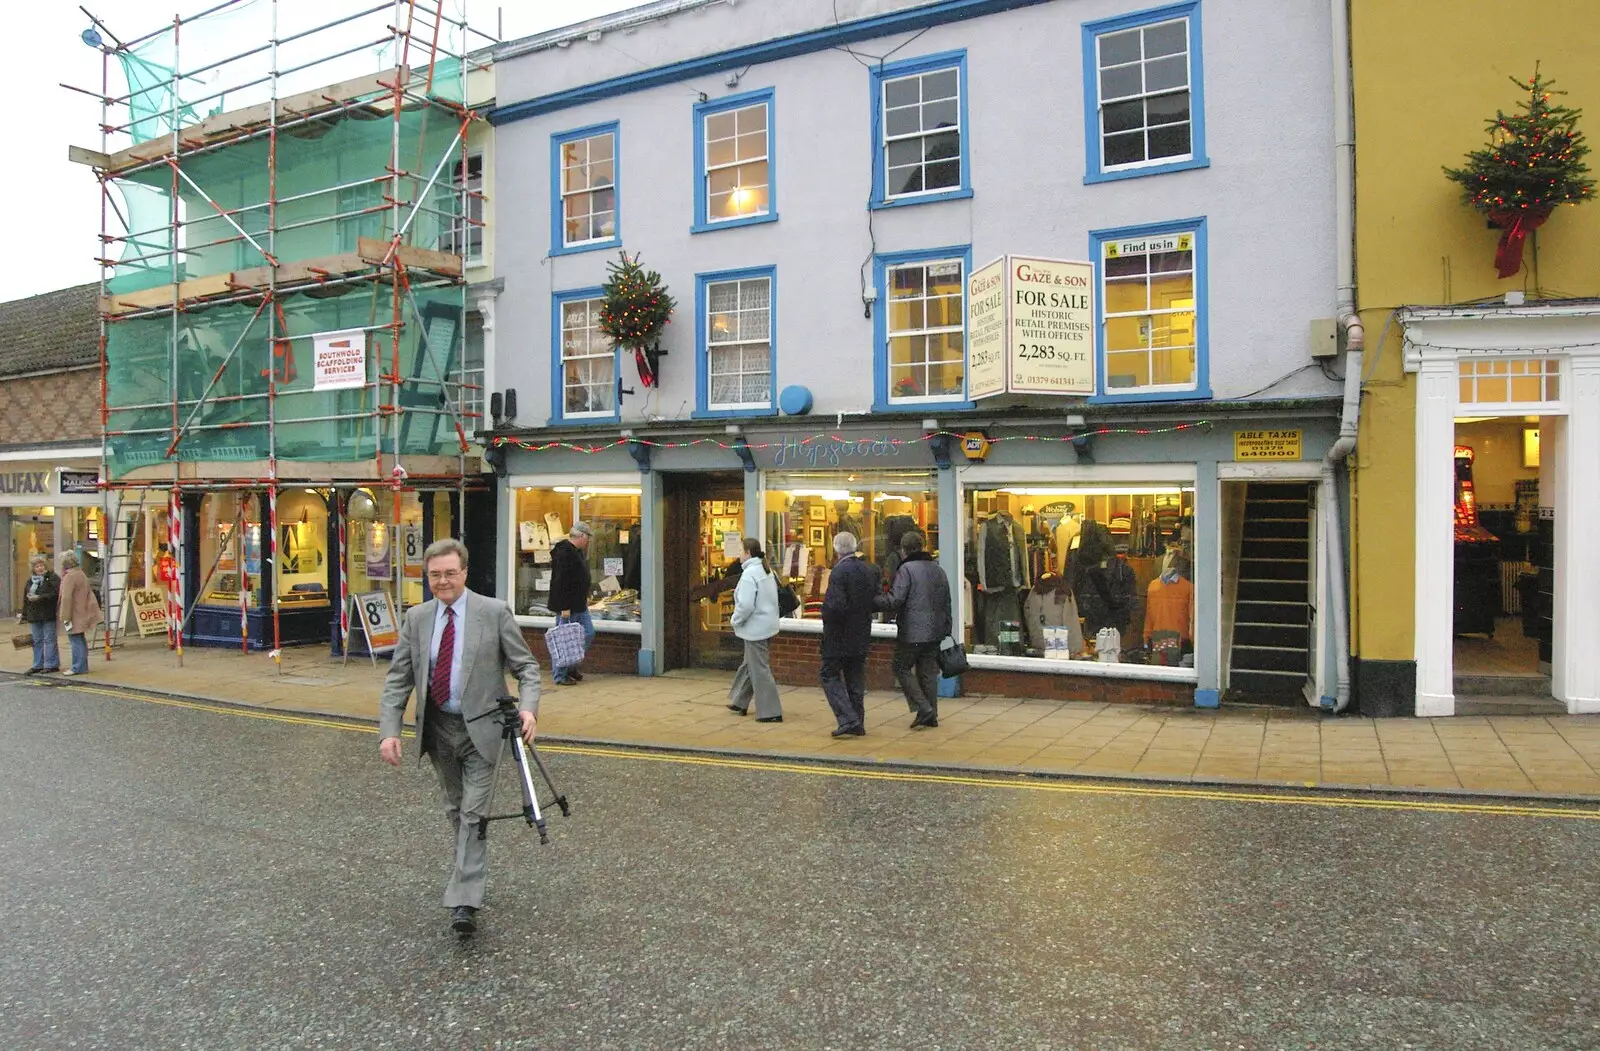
(1542, 756)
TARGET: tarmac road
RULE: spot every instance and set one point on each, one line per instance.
(178, 876)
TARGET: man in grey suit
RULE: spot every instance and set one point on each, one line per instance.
(454, 651)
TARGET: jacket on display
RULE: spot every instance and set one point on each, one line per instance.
(569, 578)
(848, 608)
(1105, 591)
(1051, 605)
(920, 600)
(1002, 554)
(1169, 606)
(755, 603)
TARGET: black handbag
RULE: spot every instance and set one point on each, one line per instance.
(952, 658)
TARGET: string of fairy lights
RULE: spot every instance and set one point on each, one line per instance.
(829, 438)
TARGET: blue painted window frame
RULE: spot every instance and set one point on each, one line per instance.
(1092, 31)
(1202, 310)
(558, 225)
(880, 328)
(956, 60)
(558, 399)
(702, 364)
(703, 223)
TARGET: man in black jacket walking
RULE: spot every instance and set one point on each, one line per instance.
(920, 599)
(847, 611)
(569, 592)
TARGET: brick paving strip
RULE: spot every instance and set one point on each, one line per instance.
(1536, 756)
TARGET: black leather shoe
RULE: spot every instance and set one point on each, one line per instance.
(738, 710)
(919, 723)
(575, 676)
(463, 919)
(768, 719)
(850, 731)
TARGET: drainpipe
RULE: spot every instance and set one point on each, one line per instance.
(1355, 343)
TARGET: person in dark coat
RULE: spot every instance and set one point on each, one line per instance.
(41, 598)
(847, 611)
(920, 600)
(569, 592)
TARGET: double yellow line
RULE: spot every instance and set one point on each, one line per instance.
(1018, 782)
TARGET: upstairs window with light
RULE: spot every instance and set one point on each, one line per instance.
(733, 148)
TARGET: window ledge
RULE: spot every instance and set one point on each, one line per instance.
(584, 421)
(1139, 173)
(587, 246)
(1091, 669)
(726, 224)
(808, 626)
(965, 193)
(1193, 394)
(616, 627)
(923, 406)
(729, 414)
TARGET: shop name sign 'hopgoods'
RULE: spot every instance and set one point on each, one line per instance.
(1030, 325)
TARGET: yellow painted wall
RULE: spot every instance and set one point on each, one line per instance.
(1428, 74)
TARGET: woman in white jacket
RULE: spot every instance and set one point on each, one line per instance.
(755, 620)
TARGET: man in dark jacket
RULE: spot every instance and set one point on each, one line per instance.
(847, 610)
(569, 592)
(920, 600)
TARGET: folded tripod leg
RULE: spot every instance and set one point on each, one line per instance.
(560, 799)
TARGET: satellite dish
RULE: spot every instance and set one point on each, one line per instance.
(91, 37)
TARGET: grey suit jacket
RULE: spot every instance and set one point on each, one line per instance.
(491, 646)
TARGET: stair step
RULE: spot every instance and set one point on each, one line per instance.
(1278, 614)
(1270, 658)
(1272, 591)
(1293, 636)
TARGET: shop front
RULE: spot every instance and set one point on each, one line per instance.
(1091, 562)
(48, 508)
(261, 572)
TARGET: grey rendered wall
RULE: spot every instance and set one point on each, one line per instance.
(1267, 195)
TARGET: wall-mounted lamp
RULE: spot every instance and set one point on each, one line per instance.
(869, 296)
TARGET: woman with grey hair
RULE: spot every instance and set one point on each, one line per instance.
(39, 603)
(80, 610)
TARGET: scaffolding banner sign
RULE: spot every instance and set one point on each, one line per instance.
(339, 359)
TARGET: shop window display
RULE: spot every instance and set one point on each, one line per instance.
(230, 549)
(543, 516)
(378, 553)
(302, 557)
(1080, 573)
(803, 511)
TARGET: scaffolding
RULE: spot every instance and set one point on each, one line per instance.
(282, 293)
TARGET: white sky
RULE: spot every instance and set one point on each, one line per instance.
(51, 207)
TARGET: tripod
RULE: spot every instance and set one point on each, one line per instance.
(510, 730)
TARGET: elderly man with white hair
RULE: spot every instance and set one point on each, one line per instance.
(847, 611)
(569, 592)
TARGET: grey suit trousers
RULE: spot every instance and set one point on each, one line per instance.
(754, 680)
(465, 778)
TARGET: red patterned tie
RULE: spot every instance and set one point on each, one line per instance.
(439, 682)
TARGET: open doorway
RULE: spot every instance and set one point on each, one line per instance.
(1504, 561)
(1271, 592)
(704, 528)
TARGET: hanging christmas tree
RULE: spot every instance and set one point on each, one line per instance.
(636, 310)
(1533, 162)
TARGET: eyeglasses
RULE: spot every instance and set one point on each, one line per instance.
(446, 574)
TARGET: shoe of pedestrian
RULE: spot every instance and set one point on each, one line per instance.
(53, 671)
(563, 682)
(850, 731)
(768, 718)
(738, 710)
(463, 919)
(33, 671)
(69, 671)
(575, 676)
(919, 723)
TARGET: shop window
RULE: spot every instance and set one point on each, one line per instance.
(733, 153)
(383, 545)
(544, 514)
(1510, 381)
(1152, 321)
(302, 555)
(1047, 568)
(584, 198)
(230, 549)
(801, 513)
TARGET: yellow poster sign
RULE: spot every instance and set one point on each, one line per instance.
(150, 610)
(1267, 445)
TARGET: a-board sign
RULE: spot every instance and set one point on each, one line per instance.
(149, 610)
(1267, 445)
(375, 613)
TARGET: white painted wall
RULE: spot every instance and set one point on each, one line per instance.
(1268, 194)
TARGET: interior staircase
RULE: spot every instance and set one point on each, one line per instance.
(1272, 629)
